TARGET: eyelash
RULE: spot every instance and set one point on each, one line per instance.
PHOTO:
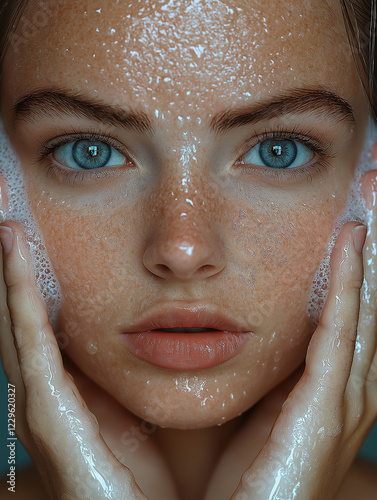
(315, 142)
(310, 139)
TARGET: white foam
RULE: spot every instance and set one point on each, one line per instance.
(18, 210)
(355, 210)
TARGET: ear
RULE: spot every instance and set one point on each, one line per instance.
(3, 197)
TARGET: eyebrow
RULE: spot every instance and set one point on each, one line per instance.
(49, 102)
(318, 101)
(57, 102)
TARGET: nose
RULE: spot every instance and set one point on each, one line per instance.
(184, 246)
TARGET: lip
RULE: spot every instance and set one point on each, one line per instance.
(186, 351)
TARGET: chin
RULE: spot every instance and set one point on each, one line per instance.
(194, 401)
(185, 416)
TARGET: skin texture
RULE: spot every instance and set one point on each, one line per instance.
(184, 222)
(231, 216)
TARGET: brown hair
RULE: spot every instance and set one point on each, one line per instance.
(360, 21)
(359, 17)
(10, 13)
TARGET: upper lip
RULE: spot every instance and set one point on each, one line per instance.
(174, 316)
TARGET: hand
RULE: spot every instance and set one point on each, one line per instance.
(53, 422)
(325, 419)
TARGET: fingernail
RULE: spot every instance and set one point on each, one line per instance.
(6, 238)
(359, 235)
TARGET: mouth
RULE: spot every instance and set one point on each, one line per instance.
(179, 338)
(188, 330)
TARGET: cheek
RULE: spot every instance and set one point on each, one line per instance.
(89, 253)
(276, 256)
(94, 260)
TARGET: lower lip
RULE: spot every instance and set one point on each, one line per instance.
(186, 351)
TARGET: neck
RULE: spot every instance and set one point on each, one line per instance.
(193, 454)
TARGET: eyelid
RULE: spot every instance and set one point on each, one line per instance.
(49, 147)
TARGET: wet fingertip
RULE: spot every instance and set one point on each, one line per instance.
(6, 239)
(358, 235)
(368, 186)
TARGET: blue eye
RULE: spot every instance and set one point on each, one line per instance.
(278, 153)
(88, 154)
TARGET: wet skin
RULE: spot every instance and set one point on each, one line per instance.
(184, 222)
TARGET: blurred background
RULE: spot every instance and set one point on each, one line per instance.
(368, 451)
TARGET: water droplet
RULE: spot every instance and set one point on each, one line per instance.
(91, 347)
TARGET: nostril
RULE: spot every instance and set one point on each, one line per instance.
(162, 270)
(205, 269)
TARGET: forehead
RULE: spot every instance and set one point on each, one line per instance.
(180, 51)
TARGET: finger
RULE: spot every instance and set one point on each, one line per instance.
(64, 431)
(9, 359)
(331, 349)
(365, 360)
(7, 348)
(29, 321)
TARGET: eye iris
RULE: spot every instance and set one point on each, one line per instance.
(278, 153)
(91, 154)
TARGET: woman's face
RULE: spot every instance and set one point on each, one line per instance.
(226, 143)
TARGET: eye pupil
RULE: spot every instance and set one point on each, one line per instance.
(276, 150)
(93, 151)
